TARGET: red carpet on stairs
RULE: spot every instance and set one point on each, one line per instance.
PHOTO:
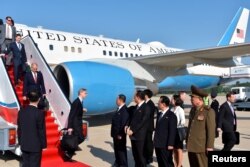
(51, 156)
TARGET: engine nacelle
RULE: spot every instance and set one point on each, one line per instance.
(103, 82)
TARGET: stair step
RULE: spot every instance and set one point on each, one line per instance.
(51, 125)
(51, 153)
(53, 141)
(49, 119)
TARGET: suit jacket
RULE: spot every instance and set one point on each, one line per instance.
(215, 106)
(31, 129)
(201, 129)
(19, 56)
(139, 122)
(75, 115)
(119, 121)
(3, 33)
(30, 84)
(152, 107)
(226, 118)
(165, 130)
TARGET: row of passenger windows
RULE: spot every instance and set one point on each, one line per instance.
(67, 49)
(121, 54)
(105, 53)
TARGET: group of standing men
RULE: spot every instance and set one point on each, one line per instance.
(204, 124)
(138, 123)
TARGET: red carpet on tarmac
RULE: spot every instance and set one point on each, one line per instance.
(51, 156)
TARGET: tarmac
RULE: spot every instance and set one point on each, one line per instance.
(97, 151)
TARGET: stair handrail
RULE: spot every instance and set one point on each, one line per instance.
(59, 104)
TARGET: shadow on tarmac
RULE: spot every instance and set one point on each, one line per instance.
(8, 156)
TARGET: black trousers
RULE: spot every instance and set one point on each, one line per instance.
(148, 146)
(137, 150)
(229, 140)
(164, 157)
(19, 70)
(31, 159)
(120, 150)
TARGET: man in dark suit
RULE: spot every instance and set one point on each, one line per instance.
(75, 119)
(148, 147)
(31, 132)
(215, 106)
(7, 34)
(227, 122)
(119, 121)
(33, 80)
(137, 129)
(19, 57)
(165, 133)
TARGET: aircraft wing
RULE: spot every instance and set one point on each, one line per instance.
(212, 56)
(155, 68)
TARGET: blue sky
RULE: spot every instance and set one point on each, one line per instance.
(181, 24)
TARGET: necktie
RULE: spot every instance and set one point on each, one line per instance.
(35, 77)
(232, 110)
(19, 46)
(160, 116)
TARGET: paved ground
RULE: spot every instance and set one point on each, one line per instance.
(98, 150)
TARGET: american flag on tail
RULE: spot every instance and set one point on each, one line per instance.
(240, 33)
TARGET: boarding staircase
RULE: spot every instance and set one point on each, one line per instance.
(56, 116)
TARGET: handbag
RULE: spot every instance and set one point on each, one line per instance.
(69, 142)
(43, 104)
(182, 132)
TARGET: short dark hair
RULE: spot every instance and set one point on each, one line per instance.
(8, 17)
(165, 100)
(33, 96)
(148, 92)
(229, 94)
(140, 94)
(81, 90)
(18, 35)
(177, 99)
(122, 97)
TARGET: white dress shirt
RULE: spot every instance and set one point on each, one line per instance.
(180, 114)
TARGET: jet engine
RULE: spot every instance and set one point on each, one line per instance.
(103, 82)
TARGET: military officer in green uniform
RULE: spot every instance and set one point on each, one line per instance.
(200, 134)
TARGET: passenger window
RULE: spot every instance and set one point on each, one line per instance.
(79, 50)
(131, 54)
(51, 47)
(104, 52)
(136, 55)
(72, 49)
(110, 53)
(121, 54)
(66, 48)
(116, 54)
(126, 54)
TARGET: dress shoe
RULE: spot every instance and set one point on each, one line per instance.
(67, 156)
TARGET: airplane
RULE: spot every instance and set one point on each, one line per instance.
(184, 82)
(108, 67)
